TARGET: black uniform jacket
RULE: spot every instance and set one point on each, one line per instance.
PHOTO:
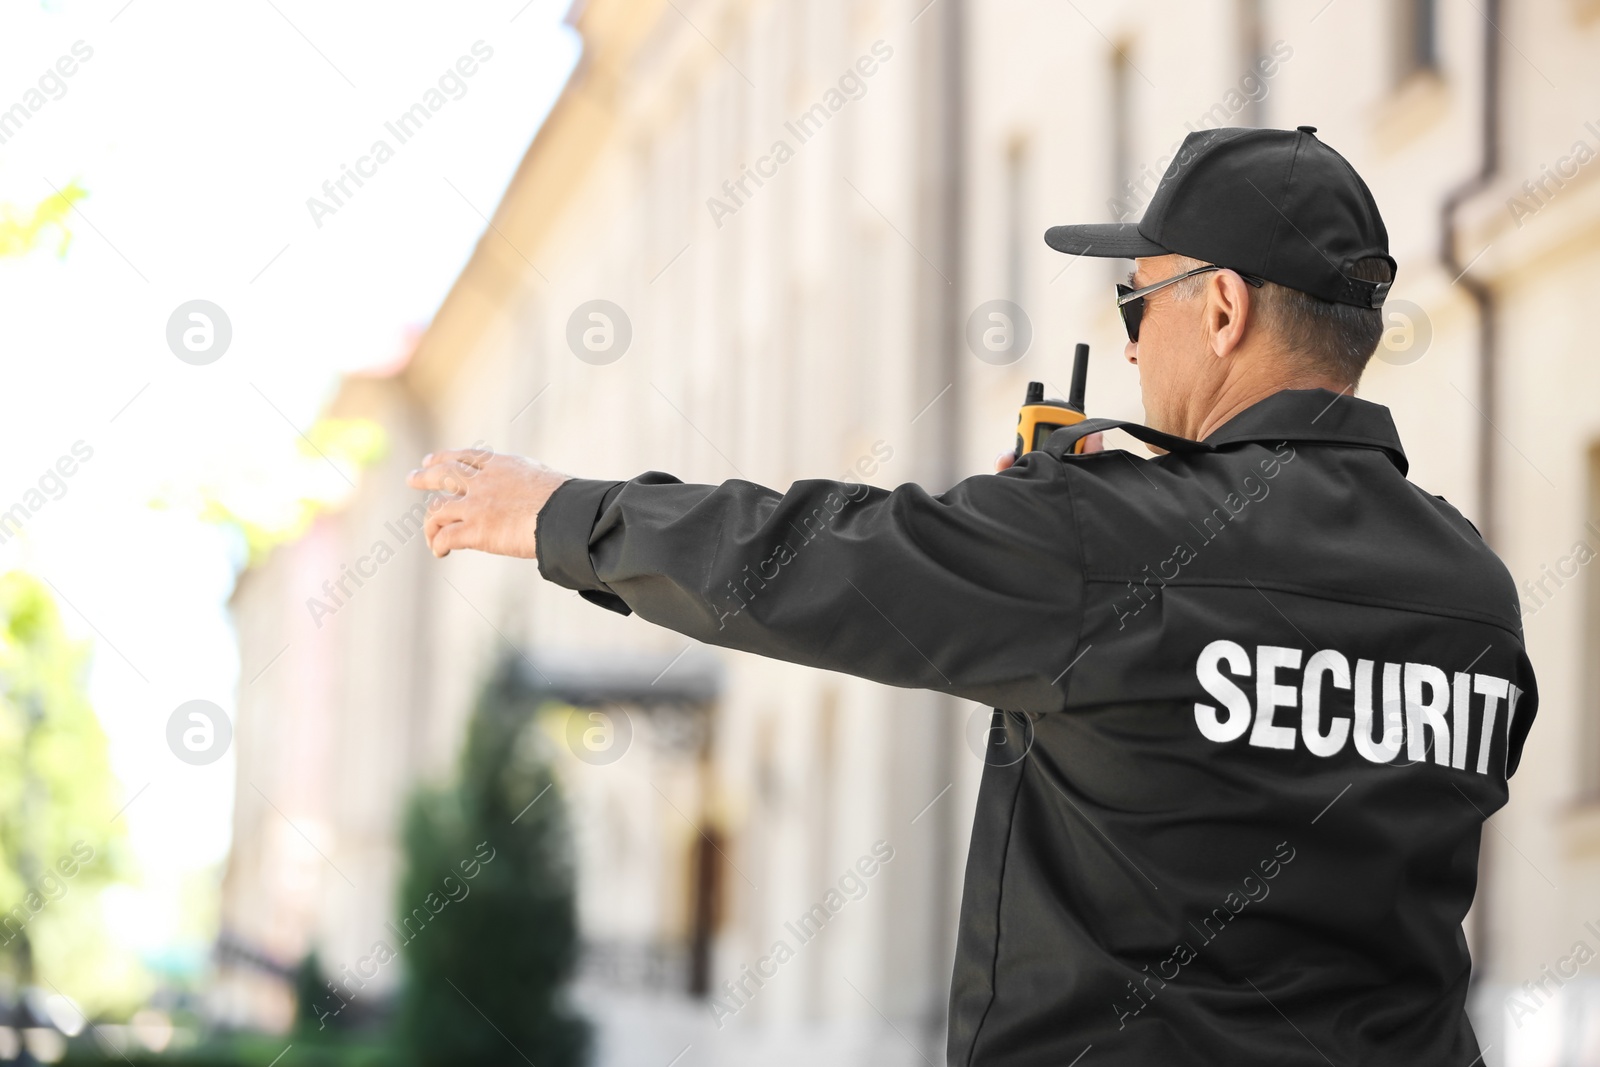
(1256, 698)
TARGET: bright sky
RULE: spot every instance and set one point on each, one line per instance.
(199, 131)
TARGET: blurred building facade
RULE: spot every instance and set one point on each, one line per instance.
(797, 217)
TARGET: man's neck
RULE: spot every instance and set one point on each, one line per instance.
(1237, 394)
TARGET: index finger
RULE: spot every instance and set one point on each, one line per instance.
(449, 476)
(472, 457)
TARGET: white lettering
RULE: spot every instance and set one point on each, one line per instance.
(1427, 714)
(1386, 750)
(1418, 706)
(1272, 695)
(1222, 689)
(1460, 710)
(1318, 743)
(1493, 690)
(1511, 716)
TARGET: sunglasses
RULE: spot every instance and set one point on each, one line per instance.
(1130, 301)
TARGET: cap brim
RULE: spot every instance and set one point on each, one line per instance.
(1107, 240)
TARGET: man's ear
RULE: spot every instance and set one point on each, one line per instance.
(1228, 303)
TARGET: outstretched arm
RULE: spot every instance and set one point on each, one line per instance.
(977, 591)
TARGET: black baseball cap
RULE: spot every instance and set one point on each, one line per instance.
(1278, 204)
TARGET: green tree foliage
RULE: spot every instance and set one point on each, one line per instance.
(56, 833)
(273, 497)
(489, 864)
(21, 231)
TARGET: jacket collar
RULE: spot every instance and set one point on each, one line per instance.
(1315, 415)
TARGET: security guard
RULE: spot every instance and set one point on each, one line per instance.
(1257, 694)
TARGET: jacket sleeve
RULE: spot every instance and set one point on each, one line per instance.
(976, 592)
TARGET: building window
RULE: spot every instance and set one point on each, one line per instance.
(1416, 37)
(1252, 50)
(1121, 130)
(1589, 722)
(1018, 245)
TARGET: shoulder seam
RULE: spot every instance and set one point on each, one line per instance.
(1320, 594)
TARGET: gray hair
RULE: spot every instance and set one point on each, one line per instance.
(1320, 335)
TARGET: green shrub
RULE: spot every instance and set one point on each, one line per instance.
(489, 889)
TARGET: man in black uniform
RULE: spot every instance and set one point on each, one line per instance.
(1257, 695)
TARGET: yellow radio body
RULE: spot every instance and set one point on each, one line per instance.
(1038, 418)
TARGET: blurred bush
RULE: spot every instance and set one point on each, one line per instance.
(486, 930)
(489, 863)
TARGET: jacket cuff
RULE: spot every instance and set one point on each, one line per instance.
(563, 529)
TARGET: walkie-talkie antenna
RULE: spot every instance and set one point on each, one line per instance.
(1038, 418)
(1080, 376)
